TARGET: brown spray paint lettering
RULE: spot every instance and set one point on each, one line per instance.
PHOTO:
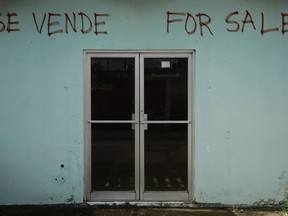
(203, 21)
(248, 21)
(53, 22)
(12, 23)
(56, 23)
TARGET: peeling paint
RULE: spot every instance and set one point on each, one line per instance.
(208, 148)
(267, 203)
(71, 199)
(141, 204)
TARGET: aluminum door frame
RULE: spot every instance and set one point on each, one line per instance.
(166, 195)
(139, 193)
(108, 195)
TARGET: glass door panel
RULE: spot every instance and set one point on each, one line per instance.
(165, 107)
(113, 123)
(113, 160)
(166, 157)
(165, 88)
(112, 88)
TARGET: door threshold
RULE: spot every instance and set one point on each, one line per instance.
(173, 204)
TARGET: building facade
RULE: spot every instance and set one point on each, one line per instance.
(133, 100)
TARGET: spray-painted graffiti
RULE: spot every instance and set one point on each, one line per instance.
(190, 29)
(55, 23)
(86, 26)
(198, 23)
(12, 24)
(233, 21)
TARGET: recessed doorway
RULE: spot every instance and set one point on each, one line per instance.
(138, 126)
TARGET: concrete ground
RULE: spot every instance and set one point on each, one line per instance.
(95, 211)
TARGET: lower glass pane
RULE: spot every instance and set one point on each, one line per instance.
(166, 157)
(113, 157)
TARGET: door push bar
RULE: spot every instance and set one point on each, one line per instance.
(145, 122)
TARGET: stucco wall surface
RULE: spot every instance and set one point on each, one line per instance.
(241, 91)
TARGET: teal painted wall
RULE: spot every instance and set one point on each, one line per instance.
(241, 95)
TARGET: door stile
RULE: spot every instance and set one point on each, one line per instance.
(137, 129)
(87, 126)
(142, 127)
(190, 125)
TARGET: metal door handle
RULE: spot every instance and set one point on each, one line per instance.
(133, 118)
(145, 118)
(143, 122)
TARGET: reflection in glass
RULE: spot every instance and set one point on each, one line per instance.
(166, 157)
(166, 88)
(112, 88)
(113, 157)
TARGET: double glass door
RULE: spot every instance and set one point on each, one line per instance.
(138, 126)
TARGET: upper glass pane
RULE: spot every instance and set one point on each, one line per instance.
(112, 88)
(165, 88)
